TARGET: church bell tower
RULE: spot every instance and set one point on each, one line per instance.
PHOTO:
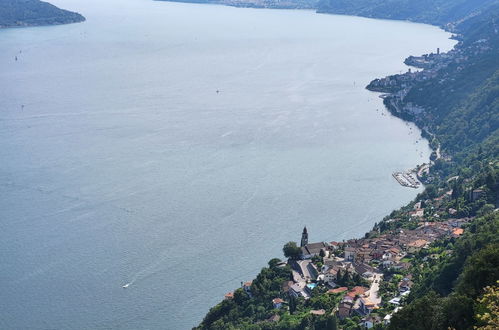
(304, 237)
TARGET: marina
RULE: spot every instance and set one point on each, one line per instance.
(407, 179)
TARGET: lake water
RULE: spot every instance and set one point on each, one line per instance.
(121, 163)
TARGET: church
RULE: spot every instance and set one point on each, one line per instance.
(313, 249)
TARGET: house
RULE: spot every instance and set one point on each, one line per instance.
(476, 194)
(416, 245)
(286, 286)
(331, 274)
(366, 323)
(366, 306)
(395, 301)
(350, 253)
(357, 291)
(457, 232)
(364, 255)
(369, 322)
(344, 310)
(338, 290)
(419, 213)
(402, 265)
(229, 296)
(277, 302)
(363, 269)
(298, 290)
(335, 245)
(318, 312)
(405, 285)
(348, 299)
(247, 287)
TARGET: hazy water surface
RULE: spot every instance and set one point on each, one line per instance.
(126, 166)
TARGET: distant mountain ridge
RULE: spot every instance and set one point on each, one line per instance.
(277, 4)
(437, 12)
(33, 13)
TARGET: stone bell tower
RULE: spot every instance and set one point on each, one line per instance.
(304, 237)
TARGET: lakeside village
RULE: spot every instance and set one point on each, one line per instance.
(363, 282)
(369, 278)
(396, 87)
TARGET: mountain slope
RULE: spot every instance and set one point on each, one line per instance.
(438, 12)
(34, 12)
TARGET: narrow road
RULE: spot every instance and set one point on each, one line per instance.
(373, 290)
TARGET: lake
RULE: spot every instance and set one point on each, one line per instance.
(177, 148)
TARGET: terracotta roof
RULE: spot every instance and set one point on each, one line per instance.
(418, 243)
(229, 295)
(338, 290)
(458, 231)
(368, 303)
(358, 290)
(277, 301)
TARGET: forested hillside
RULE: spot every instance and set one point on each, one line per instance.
(438, 12)
(454, 280)
(34, 12)
(277, 4)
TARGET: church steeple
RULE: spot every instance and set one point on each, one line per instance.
(304, 237)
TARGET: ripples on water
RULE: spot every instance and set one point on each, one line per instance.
(125, 166)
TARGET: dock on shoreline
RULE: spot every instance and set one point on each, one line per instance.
(407, 179)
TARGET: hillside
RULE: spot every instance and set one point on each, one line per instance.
(276, 4)
(437, 12)
(437, 257)
(34, 12)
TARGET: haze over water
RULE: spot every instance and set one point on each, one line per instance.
(125, 164)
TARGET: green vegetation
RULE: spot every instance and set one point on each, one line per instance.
(34, 12)
(455, 278)
(447, 289)
(283, 4)
(439, 12)
(291, 250)
(244, 310)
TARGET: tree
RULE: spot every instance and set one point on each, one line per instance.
(489, 305)
(291, 250)
(322, 253)
(292, 304)
(274, 262)
(332, 323)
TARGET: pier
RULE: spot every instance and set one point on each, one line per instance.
(407, 179)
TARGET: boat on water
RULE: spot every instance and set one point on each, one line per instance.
(126, 285)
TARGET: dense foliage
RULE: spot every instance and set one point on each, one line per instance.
(447, 290)
(34, 12)
(438, 12)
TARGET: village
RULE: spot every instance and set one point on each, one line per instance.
(396, 87)
(370, 278)
(356, 270)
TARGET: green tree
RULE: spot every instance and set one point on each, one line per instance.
(274, 262)
(332, 323)
(291, 250)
